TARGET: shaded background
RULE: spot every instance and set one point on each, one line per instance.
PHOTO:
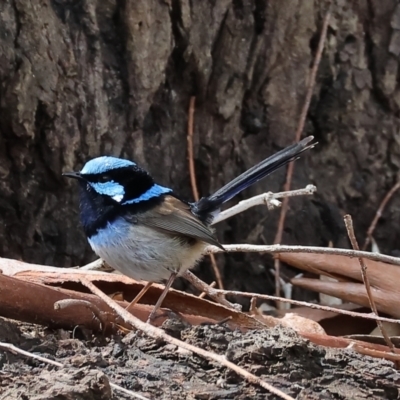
(84, 78)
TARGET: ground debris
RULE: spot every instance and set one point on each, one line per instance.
(158, 370)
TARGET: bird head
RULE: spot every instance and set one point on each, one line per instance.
(119, 180)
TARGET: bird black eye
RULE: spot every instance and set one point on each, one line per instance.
(104, 178)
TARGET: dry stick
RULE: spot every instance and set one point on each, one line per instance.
(62, 304)
(193, 181)
(203, 293)
(157, 333)
(269, 199)
(279, 248)
(253, 306)
(300, 127)
(203, 287)
(192, 170)
(350, 232)
(379, 213)
(12, 348)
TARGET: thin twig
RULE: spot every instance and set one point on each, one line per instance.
(216, 271)
(128, 392)
(269, 199)
(305, 304)
(158, 334)
(300, 127)
(253, 306)
(193, 182)
(202, 286)
(192, 170)
(65, 303)
(204, 294)
(350, 232)
(379, 213)
(278, 248)
(12, 348)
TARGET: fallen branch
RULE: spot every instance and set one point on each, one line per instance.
(278, 248)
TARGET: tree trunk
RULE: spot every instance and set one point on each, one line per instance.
(85, 78)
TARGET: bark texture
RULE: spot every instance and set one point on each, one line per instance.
(83, 78)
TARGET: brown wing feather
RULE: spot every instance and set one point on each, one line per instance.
(175, 217)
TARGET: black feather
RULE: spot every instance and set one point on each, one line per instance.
(207, 205)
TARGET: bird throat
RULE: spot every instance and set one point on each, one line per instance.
(97, 210)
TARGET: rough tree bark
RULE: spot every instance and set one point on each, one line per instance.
(83, 78)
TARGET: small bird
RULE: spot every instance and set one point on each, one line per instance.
(145, 230)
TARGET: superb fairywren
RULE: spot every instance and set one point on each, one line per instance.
(145, 230)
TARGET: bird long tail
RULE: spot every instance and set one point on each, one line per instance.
(207, 205)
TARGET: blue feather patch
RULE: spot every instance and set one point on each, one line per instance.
(154, 191)
(111, 189)
(101, 165)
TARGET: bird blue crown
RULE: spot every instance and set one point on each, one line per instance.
(101, 165)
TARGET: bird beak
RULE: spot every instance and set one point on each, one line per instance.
(75, 175)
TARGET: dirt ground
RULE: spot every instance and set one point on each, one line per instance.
(158, 370)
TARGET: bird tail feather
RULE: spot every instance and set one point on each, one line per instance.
(210, 204)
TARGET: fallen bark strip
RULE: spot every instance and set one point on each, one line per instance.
(32, 302)
(32, 299)
(384, 279)
(35, 303)
(369, 349)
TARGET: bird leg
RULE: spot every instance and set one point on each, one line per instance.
(136, 300)
(162, 297)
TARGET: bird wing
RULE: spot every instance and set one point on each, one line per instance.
(174, 217)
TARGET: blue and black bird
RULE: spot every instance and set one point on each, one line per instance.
(146, 231)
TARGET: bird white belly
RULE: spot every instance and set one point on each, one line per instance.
(143, 253)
